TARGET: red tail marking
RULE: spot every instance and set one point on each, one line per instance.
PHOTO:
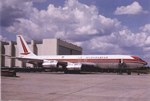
(24, 47)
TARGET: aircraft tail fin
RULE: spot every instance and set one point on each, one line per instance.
(23, 48)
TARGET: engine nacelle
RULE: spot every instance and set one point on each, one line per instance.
(74, 66)
(50, 63)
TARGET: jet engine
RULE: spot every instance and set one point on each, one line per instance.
(74, 66)
(50, 63)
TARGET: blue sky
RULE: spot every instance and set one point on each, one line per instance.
(99, 26)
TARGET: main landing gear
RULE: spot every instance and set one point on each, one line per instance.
(122, 67)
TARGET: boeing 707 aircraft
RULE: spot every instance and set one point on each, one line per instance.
(77, 62)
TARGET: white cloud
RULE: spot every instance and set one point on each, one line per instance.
(119, 42)
(102, 45)
(134, 8)
(70, 22)
(146, 28)
(147, 41)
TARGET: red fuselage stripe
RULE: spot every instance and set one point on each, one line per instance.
(100, 60)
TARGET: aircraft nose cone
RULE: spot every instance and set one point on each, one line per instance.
(145, 63)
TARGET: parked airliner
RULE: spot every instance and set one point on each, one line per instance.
(76, 62)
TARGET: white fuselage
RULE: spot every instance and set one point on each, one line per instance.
(101, 61)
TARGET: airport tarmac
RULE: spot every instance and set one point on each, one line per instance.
(75, 87)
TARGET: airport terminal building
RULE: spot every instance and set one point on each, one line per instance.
(46, 47)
